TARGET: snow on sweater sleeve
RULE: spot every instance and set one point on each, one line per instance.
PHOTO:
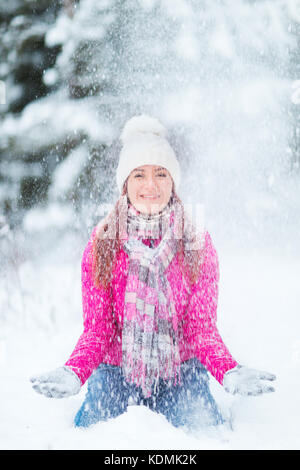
(99, 327)
(201, 318)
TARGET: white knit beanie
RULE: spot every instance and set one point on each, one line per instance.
(145, 142)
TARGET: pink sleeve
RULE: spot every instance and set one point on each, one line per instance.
(202, 316)
(99, 329)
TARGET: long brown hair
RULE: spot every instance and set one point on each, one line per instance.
(106, 248)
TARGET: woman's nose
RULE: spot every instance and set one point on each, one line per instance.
(150, 182)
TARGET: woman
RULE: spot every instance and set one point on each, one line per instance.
(149, 291)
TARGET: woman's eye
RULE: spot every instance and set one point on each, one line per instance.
(138, 175)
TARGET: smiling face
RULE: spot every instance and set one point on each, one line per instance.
(149, 188)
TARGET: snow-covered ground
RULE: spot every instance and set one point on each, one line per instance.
(258, 318)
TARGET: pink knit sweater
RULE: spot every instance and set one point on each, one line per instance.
(101, 340)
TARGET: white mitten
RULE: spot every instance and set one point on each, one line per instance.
(58, 383)
(247, 381)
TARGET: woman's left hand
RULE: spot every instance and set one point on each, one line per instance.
(246, 381)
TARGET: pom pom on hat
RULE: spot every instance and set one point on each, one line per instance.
(139, 125)
(145, 142)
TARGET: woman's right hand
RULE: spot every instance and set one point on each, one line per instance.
(58, 383)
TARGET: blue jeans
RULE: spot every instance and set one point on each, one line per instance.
(188, 403)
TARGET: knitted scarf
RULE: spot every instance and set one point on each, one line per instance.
(150, 336)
